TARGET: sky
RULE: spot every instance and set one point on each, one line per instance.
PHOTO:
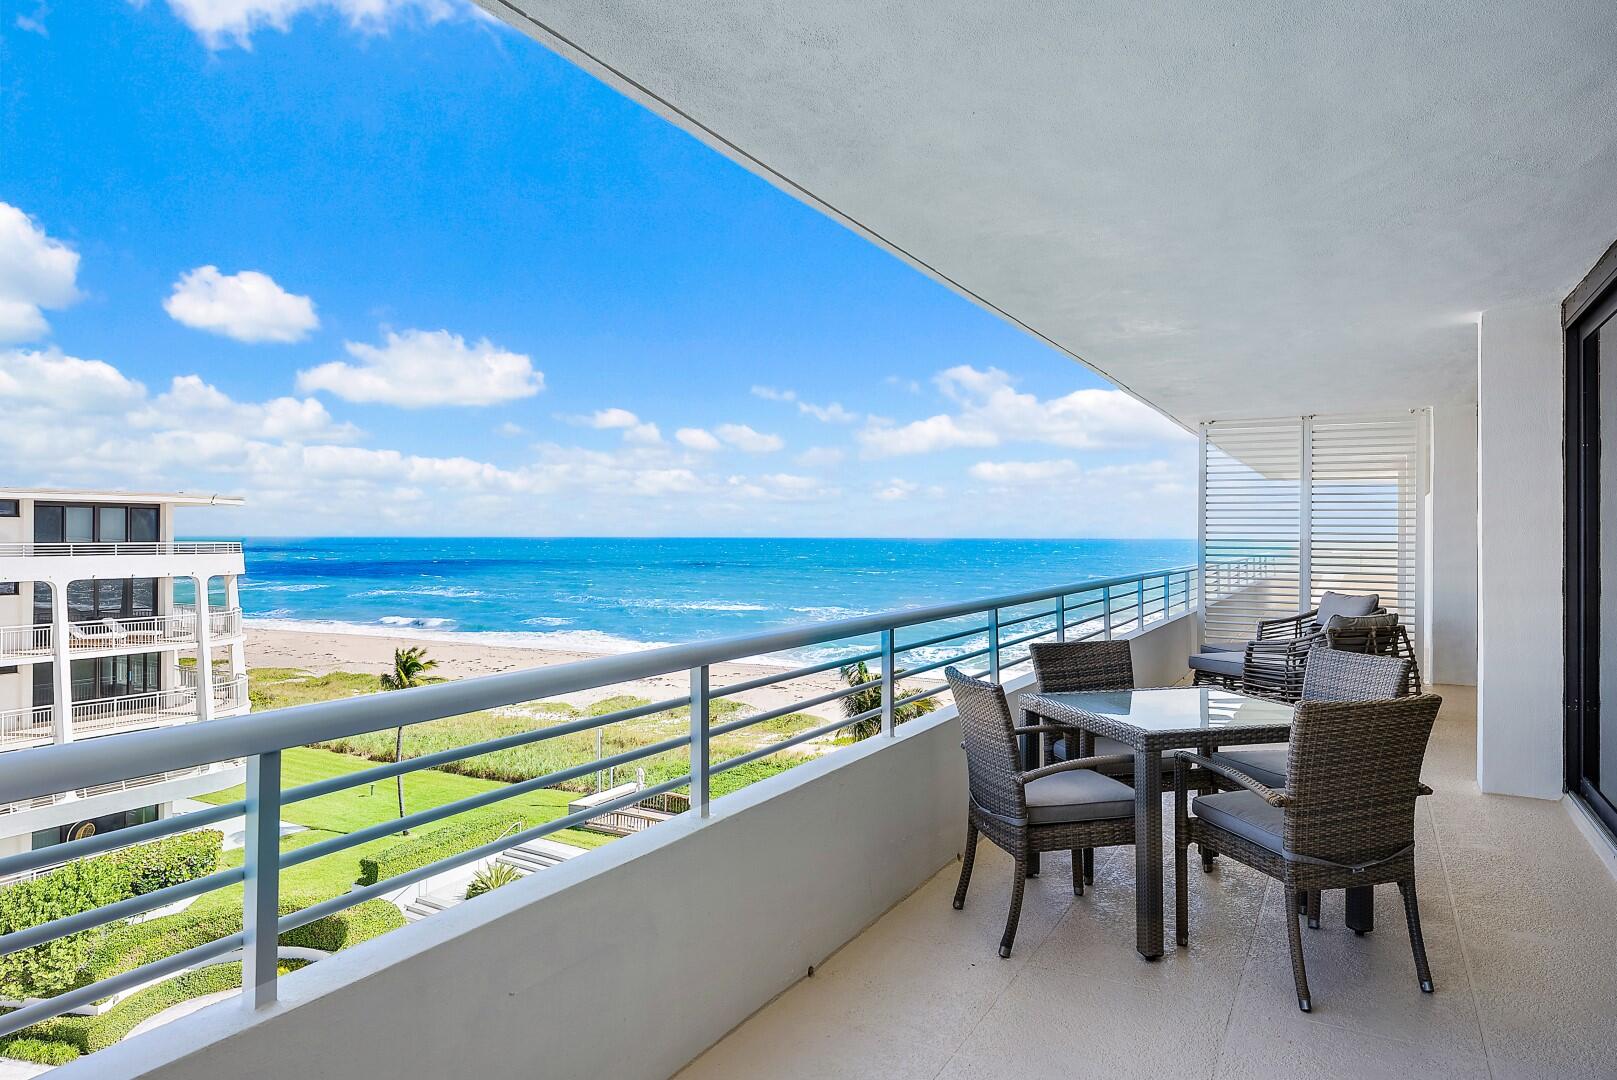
(389, 267)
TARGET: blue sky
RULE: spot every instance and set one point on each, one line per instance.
(416, 274)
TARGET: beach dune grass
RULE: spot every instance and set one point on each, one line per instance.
(276, 687)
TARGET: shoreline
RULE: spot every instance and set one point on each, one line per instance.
(319, 650)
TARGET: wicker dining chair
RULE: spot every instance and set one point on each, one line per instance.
(1067, 806)
(1063, 667)
(1346, 819)
(1331, 675)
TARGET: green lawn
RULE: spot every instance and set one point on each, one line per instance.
(354, 808)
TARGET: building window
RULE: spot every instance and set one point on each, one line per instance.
(48, 524)
(143, 523)
(8, 588)
(79, 830)
(55, 523)
(10, 508)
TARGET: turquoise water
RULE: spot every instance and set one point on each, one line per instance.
(608, 595)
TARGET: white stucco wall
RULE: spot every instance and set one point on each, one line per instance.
(1519, 554)
(626, 962)
(1450, 604)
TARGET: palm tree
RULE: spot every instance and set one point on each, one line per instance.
(869, 699)
(408, 667)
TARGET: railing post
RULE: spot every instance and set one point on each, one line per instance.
(1106, 611)
(889, 684)
(993, 645)
(261, 900)
(699, 740)
(1139, 605)
(1061, 617)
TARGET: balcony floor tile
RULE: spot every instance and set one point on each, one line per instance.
(1517, 912)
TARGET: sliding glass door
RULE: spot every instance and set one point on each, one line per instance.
(1591, 577)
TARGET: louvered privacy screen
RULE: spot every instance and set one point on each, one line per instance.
(1300, 505)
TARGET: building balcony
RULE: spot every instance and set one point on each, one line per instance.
(112, 636)
(87, 549)
(23, 728)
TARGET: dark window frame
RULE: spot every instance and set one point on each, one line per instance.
(130, 511)
(1592, 306)
(10, 508)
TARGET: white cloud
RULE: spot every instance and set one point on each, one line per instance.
(220, 23)
(781, 487)
(1020, 473)
(818, 457)
(422, 368)
(195, 405)
(992, 411)
(746, 439)
(695, 438)
(510, 430)
(36, 272)
(57, 382)
(896, 490)
(833, 413)
(247, 306)
(634, 429)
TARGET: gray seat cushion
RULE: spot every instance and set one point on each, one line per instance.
(1334, 603)
(1223, 646)
(1245, 814)
(1078, 795)
(1266, 766)
(1219, 663)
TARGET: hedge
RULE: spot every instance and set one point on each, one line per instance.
(424, 850)
(49, 969)
(130, 946)
(38, 1051)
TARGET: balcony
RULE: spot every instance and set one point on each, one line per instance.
(22, 728)
(112, 636)
(86, 549)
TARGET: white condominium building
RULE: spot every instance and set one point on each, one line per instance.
(102, 631)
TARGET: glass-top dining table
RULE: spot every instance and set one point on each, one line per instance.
(1150, 722)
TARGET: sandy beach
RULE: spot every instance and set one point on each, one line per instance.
(322, 651)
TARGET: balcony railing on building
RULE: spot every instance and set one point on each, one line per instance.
(20, 728)
(123, 547)
(118, 635)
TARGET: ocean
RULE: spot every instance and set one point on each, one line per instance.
(613, 595)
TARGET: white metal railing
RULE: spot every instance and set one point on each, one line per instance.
(228, 693)
(26, 725)
(133, 710)
(178, 628)
(125, 547)
(990, 636)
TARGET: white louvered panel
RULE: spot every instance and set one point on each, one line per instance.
(1251, 472)
(1365, 510)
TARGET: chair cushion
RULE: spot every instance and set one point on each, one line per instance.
(1223, 646)
(1219, 663)
(1266, 766)
(1245, 814)
(1334, 603)
(1077, 795)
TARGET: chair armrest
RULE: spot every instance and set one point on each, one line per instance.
(1235, 776)
(1289, 626)
(1076, 763)
(1052, 729)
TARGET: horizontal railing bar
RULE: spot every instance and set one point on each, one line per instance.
(344, 841)
(784, 744)
(796, 673)
(362, 893)
(934, 665)
(25, 861)
(924, 694)
(458, 753)
(56, 768)
(13, 1022)
(924, 642)
(29, 936)
(1006, 623)
(786, 710)
(1025, 638)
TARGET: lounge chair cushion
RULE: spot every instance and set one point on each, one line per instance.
(1223, 646)
(1334, 603)
(1219, 663)
(1078, 795)
(1245, 814)
(1266, 766)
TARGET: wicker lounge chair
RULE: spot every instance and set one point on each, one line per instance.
(1272, 663)
(1068, 806)
(1380, 635)
(1345, 821)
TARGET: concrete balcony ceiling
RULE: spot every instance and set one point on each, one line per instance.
(1250, 210)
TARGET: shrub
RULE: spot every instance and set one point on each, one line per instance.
(48, 969)
(345, 929)
(169, 861)
(419, 852)
(490, 878)
(38, 1051)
